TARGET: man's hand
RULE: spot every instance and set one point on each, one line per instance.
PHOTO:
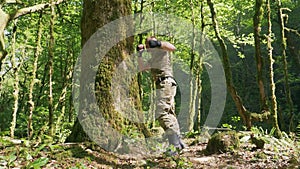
(154, 43)
(140, 48)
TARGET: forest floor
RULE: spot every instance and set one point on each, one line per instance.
(86, 155)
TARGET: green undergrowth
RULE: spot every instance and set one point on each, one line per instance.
(21, 153)
(267, 147)
(25, 154)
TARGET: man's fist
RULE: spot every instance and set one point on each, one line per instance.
(154, 43)
(140, 47)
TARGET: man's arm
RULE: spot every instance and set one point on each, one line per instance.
(168, 46)
(141, 65)
(164, 45)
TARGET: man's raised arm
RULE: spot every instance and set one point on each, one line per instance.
(141, 65)
(153, 43)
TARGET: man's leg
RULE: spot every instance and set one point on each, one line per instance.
(165, 112)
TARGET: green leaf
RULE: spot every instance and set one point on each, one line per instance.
(12, 158)
(39, 149)
(38, 163)
(245, 139)
(26, 143)
(28, 157)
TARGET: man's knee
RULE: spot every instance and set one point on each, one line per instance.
(168, 121)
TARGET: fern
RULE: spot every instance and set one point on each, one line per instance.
(298, 132)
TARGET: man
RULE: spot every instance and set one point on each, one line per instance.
(161, 69)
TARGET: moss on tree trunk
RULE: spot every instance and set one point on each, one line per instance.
(95, 15)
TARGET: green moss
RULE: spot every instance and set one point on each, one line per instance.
(223, 142)
(259, 142)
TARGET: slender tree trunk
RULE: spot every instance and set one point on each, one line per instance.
(197, 101)
(136, 10)
(43, 85)
(200, 68)
(72, 62)
(153, 21)
(227, 68)
(50, 63)
(271, 74)
(153, 84)
(258, 55)
(151, 112)
(33, 76)
(67, 74)
(61, 101)
(16, 69)
(193, 87)
(287, 89)
(152, 107)
(246, 116)
(24, 92)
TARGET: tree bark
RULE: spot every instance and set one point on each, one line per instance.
(193, 87)
(16, 69)
(271, 74)
(227, 68)
(33, 79)
(258, 55)
(247, 116)
(62, 101)
(287, 89)
(200, 68)
(50, 63)
(95, 15)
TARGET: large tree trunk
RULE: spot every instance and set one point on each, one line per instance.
(96, 14)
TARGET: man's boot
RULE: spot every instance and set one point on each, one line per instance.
(175, 140)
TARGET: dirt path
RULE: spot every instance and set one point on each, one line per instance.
(191, 157)
(82, 156)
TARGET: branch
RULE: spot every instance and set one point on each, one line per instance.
(286, 9)
(292, 30)
(32, 9)
(260, 117)
(12, 1)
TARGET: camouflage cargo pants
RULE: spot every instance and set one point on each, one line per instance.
(165, 106)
